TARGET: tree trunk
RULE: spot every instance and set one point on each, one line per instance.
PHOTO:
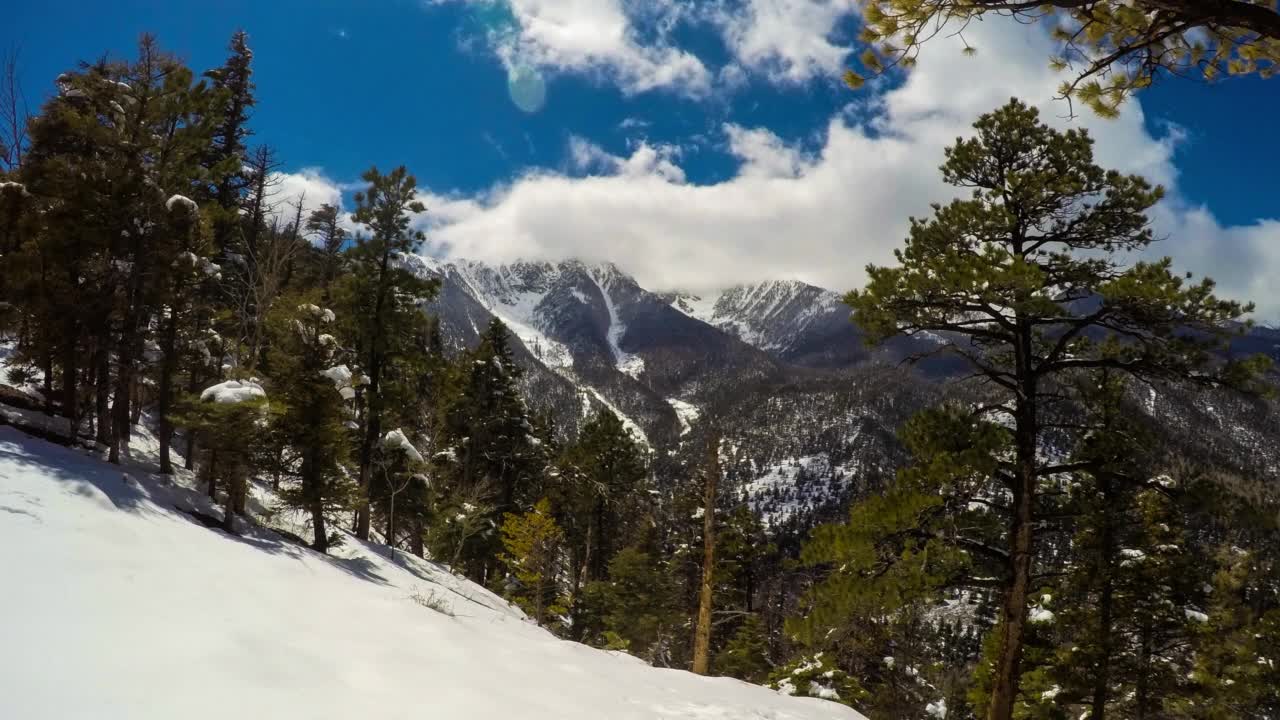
(213, 474)
(189, 459)
(415, 542)
(373, 428)
(167, 363)
(235, 485)
(315, 501)
(120, 408)
(1101, 685)
(1142, 694)
(46, 367)
(70, 378)
(102, 388)
(1013, 611)
(391, 525)
(702, 634)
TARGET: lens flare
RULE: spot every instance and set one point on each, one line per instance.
(527, 88)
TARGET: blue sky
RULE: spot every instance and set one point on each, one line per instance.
(685, 135)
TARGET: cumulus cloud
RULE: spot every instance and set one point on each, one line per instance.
(788, 41)
(310, 186)
(628, 42)
(821, 215)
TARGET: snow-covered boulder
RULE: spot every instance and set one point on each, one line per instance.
(181, 203)
(396, 440)
(233, 391)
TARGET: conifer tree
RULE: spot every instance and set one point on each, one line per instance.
(328, 236)
(227, 155)
(382, 300)
(636, 606)
(491, 422)
(230, 417)
(599, 494)
(746, 655)
(310, 387)
(1027, 271)
(534, 544)
(1113, 47)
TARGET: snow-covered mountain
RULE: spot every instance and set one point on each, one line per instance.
(794, 321)
(778, 366)
(120, 603)
(591, 335)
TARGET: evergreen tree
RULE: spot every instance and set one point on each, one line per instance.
(310, 388)
(227, 155)
(746, 655)
(492, 424)
(1114, 47)
(636, 606)
(600, 494)
(230, 417)
(382, 300)
(534, 544)
(1026, 270)
(329, 238)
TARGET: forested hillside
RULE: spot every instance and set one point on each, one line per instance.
(1029, 477)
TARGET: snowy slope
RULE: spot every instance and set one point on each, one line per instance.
(118, 605)
(771, 315)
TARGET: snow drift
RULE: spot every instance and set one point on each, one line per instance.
(119, 603)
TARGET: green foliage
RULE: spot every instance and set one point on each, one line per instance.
(746, 655)
(599, 493)
(818, 676)
(533, 544)
(1025, 276)
(1113, 47)
(311, 412)
(636, 607)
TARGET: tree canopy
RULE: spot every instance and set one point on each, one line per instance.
(1112, 47)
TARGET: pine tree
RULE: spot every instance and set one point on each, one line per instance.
(230, 418)
(227, 155)
(382, 300)
(492, 423)
(1026, 270)
(600, 495)
(534, 544)
(1118, 46)
(328, 237)
(746, 655)
(636, 607)
(310, 387)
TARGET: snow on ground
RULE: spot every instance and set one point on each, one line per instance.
(686, 413)
(776, 492)
(699, 307)
(119, 605)
(636, 431)
(519, 310)
(629, 364)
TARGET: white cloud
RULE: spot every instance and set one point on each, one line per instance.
(309, 186)
(788, 41)
(645, 159)
(822, 217)
(598, 37)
